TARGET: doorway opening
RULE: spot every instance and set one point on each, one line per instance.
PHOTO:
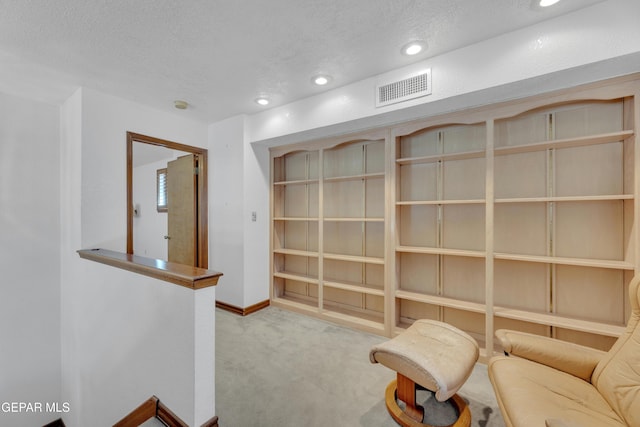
(187, 233)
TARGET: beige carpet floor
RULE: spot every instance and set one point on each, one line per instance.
(278, 368)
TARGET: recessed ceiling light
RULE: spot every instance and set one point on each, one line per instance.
(414, 47)
(546, 3)
(262, 101)
(180, 105)
(321, 79)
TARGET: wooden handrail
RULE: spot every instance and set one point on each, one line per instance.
(179, 274)
(142, 413)
(153, 408)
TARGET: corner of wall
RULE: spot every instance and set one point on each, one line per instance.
(226, 207)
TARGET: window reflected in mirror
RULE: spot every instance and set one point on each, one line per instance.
(161, 190)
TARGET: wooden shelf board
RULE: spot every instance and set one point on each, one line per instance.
(296, 252)
(361, 219)
(297, 182)
(442, 301)
(565, 143)
(354, 177)
(441, 157)
(567, 199)
(594, 327)
(295, 276)
(296, 304)
(372, 321)
(354, 287)
(581, 262)
(354, 258)
(441, 251)
(295, 218)
(440, 202)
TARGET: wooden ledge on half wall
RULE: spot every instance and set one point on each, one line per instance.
(179, 274)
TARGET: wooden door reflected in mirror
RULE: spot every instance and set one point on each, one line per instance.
(186, 229)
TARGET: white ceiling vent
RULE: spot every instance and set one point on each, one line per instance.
(415, 86)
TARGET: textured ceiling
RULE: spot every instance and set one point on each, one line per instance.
(220, 55)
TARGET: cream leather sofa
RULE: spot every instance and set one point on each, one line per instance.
(543, 381)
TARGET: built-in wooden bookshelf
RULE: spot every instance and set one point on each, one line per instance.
(295, 201)
(440, 215)
(354, 231)
(520, 215)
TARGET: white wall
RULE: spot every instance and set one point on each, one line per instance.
(238, 188)
(106, 120)
(226, 208)
(256, 234)
(125, 337)
(595, 43)
(71, 272)
(29, 258)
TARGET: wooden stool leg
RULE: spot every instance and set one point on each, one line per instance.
(407, 393)
(413, 414)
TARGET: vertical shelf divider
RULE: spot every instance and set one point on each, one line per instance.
(636, 178)
(320, 230)
(272, 270)
(551, 220)
(489, 249)
(390, 278)
(440, 224)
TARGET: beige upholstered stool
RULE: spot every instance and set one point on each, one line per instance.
(435, 355)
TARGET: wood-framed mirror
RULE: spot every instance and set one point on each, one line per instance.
(186, 229)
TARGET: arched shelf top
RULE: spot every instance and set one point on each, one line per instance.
(353, 141)
(558, 107)
(332, 142)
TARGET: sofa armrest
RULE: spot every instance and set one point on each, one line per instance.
(574, 359)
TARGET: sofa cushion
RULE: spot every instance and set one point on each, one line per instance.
(530, 393)
(617, 376)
